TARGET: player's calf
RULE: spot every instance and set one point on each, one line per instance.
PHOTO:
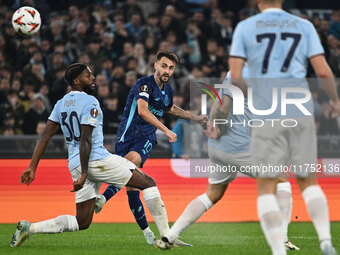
(216, 191)
(150, 181)
(84, 225)
(85, 213)
(152, 198)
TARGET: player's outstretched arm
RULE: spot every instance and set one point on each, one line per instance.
(323, 71)
(28, 174)
(236, 66)
(85, 147)
(146, 115)
(178, 112)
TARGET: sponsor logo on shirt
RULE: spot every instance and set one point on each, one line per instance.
(166, 100)
(155, 111)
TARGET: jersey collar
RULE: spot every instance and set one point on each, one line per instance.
(273, 10)
(76, 91)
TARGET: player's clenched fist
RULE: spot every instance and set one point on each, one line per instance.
(27, 176)
(79, 183)
(202, 119)
(212, 131)
(172, 136)
(335, 108)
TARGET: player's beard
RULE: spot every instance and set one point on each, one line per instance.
(89, 89)
(161, 77)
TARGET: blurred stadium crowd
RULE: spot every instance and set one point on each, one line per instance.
(119, 40)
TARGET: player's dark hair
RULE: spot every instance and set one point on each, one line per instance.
(168, 54)
(72, 72)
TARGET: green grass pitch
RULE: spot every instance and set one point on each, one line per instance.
(206, 238)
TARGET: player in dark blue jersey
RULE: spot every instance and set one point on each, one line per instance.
(149, 99)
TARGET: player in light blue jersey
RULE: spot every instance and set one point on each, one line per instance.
(228, 146)
(81, 120)
(278, 45)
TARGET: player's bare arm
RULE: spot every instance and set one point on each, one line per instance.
(178, 112)
(27, 175)
(216, 112)
(84, 154)
(146, 115)
(236, 65)
(323, 71)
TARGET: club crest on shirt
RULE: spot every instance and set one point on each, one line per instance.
(144, 88)
(94, 113)
(166, 100)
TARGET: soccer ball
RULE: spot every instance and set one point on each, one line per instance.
(26, 21)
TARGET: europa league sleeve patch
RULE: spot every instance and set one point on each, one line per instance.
(144, 88)
(94, 113)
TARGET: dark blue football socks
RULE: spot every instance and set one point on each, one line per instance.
(110, 192)
(137, 208)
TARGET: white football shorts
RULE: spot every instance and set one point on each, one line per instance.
(227, 165)
(285, 149)
(113, 169)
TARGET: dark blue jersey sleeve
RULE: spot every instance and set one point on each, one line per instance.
(142, 89)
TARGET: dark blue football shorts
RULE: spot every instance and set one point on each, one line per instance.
(142, 146)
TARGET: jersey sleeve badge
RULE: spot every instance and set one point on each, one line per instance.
(94, 112)
(144, 88)
(144, 91)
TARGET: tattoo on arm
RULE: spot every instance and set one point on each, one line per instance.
(179, 112)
